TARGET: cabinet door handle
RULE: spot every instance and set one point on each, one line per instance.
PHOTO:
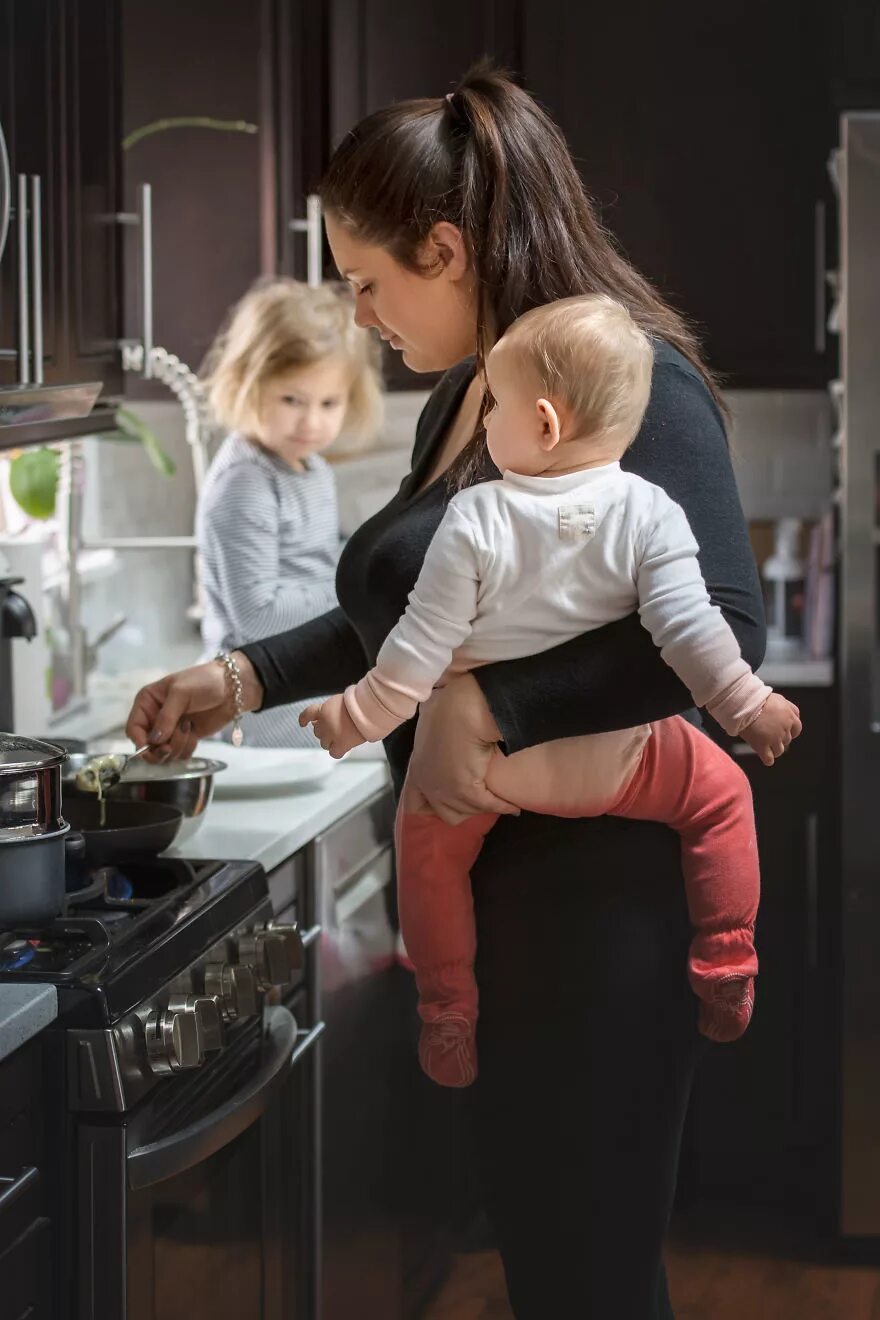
(5, 193)
(24, 325)
(145, 209)
(311, 227)
(37, 283)
(12, 1188)
(819, 277)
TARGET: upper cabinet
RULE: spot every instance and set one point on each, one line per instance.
(224, 107)
(60, 310)
(702, 132)
(702, 135)
(853, 37)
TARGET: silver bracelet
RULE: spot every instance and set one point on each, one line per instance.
(234, 676)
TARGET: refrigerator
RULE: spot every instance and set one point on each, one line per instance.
(856, 171)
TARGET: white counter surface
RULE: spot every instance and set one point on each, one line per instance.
(795, 668)
(268, 829)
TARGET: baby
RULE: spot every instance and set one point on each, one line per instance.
(564, 542)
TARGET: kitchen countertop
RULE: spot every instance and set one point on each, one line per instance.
(795, 668)
(24, 1010)
(269, 829)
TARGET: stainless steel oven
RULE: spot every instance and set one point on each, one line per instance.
(201, 1205)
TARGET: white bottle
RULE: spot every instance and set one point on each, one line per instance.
(784, 588)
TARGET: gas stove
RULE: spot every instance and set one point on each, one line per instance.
(157, 964)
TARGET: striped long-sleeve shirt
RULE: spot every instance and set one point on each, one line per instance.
(268, 543)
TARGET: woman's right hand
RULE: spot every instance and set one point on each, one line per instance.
(174, 713)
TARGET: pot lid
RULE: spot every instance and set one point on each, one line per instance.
(18, 752)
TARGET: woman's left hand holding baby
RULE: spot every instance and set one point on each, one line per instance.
(334, 728)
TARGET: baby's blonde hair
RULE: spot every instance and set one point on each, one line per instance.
(588, 353)
(279, 325)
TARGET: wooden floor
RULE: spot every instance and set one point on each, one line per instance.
(706, 1283)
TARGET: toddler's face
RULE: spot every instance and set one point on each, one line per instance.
(514, 422)
(302, 411)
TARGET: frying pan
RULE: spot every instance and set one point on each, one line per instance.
(133, 829)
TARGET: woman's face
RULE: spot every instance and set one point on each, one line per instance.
(302, 411)
(430, 319)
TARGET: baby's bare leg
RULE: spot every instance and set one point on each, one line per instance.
(571, 776)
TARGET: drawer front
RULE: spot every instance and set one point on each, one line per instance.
(345, 849)
(287, 888)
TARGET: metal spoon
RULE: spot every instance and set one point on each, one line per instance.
(107, 770)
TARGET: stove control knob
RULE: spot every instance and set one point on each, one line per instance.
(180, 1036)
(235, 989)
(274, 952)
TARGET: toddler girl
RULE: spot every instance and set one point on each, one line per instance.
(566, 541)
(286, 376)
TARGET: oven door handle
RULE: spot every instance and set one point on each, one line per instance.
(163, 1159)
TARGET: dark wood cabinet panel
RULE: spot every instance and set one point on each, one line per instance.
(703, 136)
(26, 1247)
(853, 35)
(762, 1116)
(203, 60)
(59, 113)
(94, 239)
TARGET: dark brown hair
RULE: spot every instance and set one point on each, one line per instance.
(491, 161)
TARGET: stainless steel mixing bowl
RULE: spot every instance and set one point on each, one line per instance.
(186, 785)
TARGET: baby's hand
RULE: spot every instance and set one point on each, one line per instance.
(334, 728)
(777, 725)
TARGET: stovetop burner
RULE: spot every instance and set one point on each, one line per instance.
(129, 929)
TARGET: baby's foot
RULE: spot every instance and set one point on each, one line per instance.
(726, 1015)
(448, 1050)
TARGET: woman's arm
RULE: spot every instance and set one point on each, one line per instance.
(319, 657)
(615, 677)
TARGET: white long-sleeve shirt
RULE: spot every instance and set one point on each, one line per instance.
(522, 564)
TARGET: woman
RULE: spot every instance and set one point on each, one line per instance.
(450, 218)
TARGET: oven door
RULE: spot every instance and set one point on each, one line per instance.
(204, 1208)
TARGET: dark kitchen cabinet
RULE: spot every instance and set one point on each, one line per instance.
(853, 34)
(26, 1261)
(95, 241)
(227, 122)
(59, 115)
(762, 1116)
(702, 132)
(388, 50)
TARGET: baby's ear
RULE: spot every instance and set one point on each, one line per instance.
(550, 425)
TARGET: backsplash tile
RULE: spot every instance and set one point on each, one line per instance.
(781, 448)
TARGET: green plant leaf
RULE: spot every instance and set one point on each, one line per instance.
(33, 482)
(132, 427)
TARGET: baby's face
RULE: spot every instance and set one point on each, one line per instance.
(513, 423)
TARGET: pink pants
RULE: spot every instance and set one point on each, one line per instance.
(681, 779)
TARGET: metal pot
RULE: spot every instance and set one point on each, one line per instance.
(32, 831)
(186, 785)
